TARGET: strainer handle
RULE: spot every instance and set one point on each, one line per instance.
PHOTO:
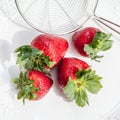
(102, 20)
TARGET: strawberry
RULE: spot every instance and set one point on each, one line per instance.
(32, 85)
(76, 78)
(90, 41)
(45, 51)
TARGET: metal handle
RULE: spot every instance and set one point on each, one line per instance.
(105, 21)
(102, 21)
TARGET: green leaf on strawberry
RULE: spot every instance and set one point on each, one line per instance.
(26, 87)
(86, 81)
(100, 42)
(32, 85)
(81, 98)
(69, 90)
(33, 59)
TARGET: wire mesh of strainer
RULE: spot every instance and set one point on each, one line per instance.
(55, 16)
(8, 7)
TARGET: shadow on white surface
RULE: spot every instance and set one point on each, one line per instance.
(5, 52)
(23, 38)
(56, 87)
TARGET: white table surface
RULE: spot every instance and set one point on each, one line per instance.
(13, 36)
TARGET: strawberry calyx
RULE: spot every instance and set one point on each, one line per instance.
(86, 81)
(101, 42)
(26, 87)
(33, 59)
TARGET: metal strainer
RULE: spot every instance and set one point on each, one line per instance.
(53, 16)
(59, 16)
(8, 7)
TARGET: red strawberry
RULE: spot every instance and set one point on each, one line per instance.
(53, 47)
(32, 85)
(46, 51)
(89, 41)
(76, 78)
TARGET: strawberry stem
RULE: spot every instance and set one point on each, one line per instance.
(87, 80)
(100, 42)
(33, 59)
(26, 87)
